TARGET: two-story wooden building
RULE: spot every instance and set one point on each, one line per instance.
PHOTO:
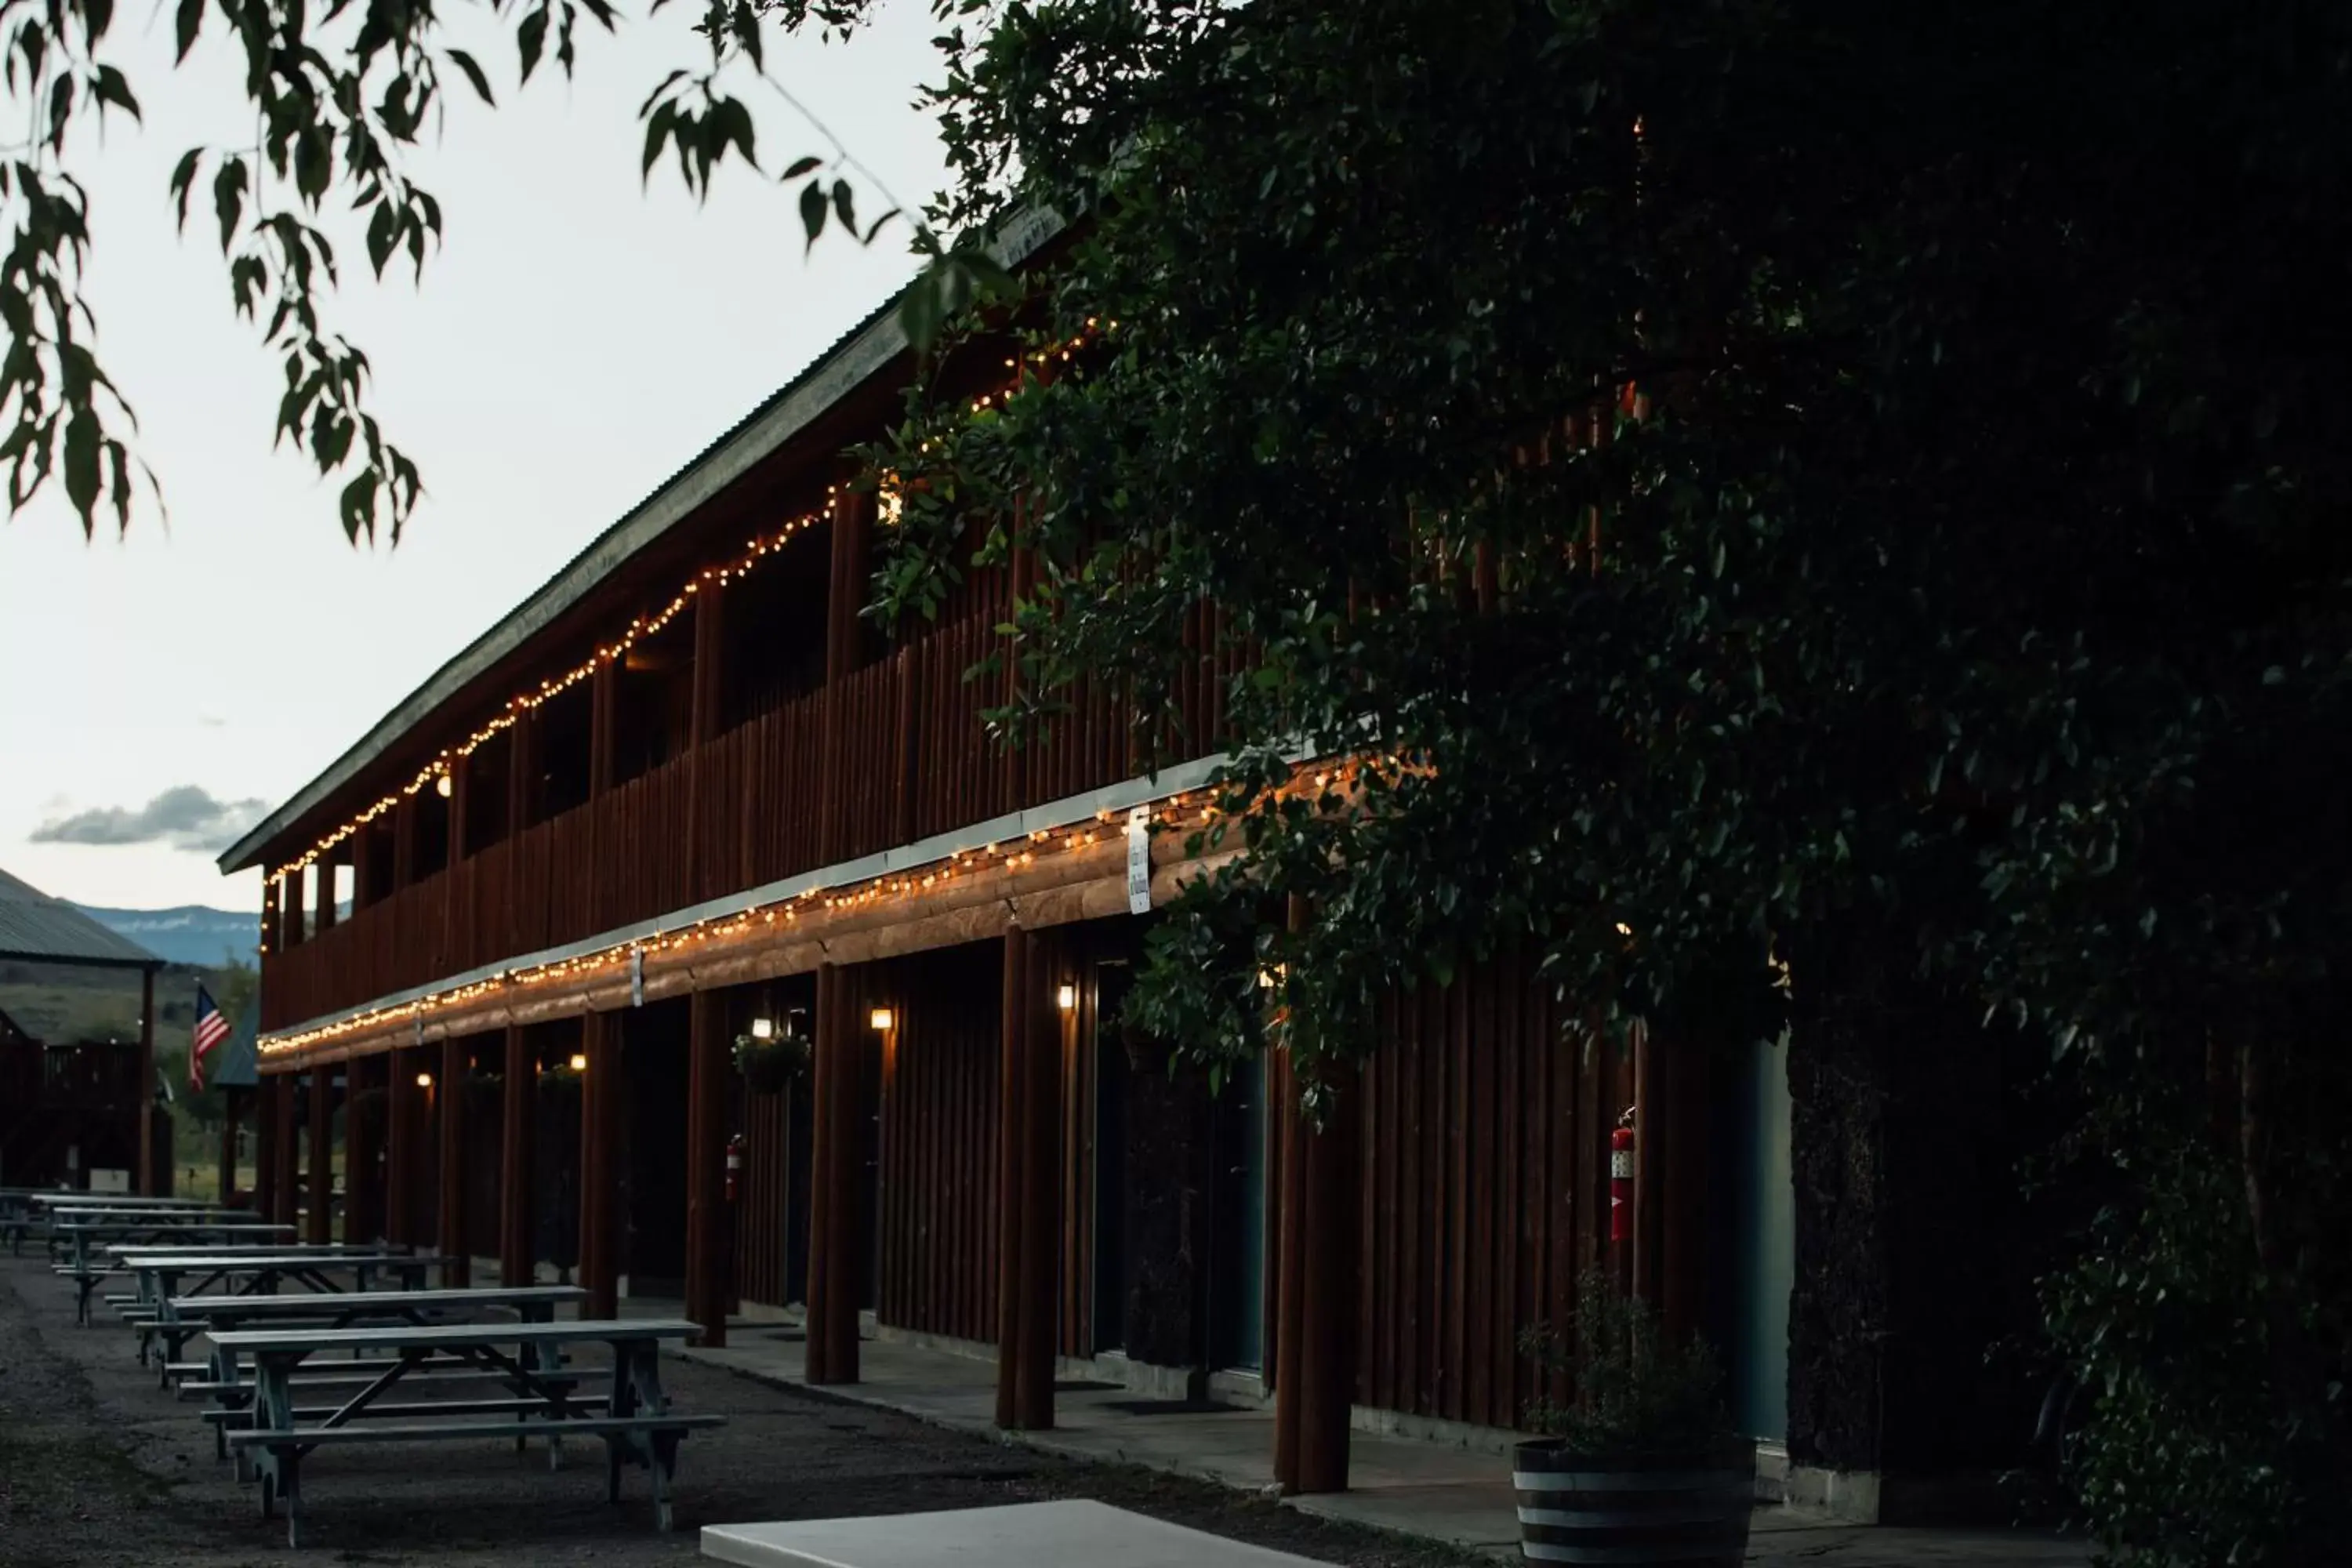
(685, 794)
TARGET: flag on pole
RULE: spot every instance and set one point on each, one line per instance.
(211, 1030)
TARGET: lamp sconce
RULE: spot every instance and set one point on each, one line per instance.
(881, 1020)
(1066, 997)
(764, 1028)
(425, 1080)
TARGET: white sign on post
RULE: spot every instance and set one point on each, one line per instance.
(637, 977)
(1139, 861)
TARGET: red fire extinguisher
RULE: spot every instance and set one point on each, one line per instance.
(734, 1165)
(1620, 1178)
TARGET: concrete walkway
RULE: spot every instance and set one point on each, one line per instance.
(1458, 1495)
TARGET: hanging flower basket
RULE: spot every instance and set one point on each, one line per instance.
(770, 1066)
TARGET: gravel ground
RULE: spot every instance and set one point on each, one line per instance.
(98, 1467)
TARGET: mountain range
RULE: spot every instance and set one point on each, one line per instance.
(191, 933)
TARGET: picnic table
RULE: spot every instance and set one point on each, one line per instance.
(163, 1275)
(78, 1237)
(20, 1205)
(635, 1420)
(86, 1272)
(183, 1318)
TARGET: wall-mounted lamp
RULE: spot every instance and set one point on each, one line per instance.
(1067, 996)
(579, 1061)
(441, 786)
(764, 1028)
(881, 1019)
(425, 1080)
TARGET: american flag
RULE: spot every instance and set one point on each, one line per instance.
(211, 1030)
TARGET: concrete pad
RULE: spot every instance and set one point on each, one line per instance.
(1072, 1532)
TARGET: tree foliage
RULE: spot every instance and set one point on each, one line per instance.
(342, 94)
(1733, 475)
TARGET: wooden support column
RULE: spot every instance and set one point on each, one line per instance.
(325, 892)
(404, 843)
(145, 1099)
(272, 939)
(361, 892)
(707, 1073)
(704, 699)
(319, 1227)
(363, 1113)
(1029, 1182)
(402, 1104)
(265, 1148)
(1318, 1306)
(232, 1113)
(283, 1151)
(835, 1245)
(456, 1246)
(518, 1260)
(601, 1093)
(603, 725)
(845, 595)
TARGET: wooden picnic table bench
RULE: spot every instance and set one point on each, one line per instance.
(86, 1272)
(165, 1275)
(634, 1422)
(185, 1316)
(179, 1319)
(79, 1237)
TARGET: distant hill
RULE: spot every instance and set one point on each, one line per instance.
(192, 934)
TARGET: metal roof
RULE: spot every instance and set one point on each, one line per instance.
(37, 927)
(237, 1064)
(857, 356)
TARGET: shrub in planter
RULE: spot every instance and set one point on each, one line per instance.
(770, 1066)
(1642, 1466)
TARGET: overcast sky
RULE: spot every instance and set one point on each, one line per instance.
(578, 338)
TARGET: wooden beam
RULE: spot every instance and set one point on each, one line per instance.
(400, 1104)
(517, 1259)
(603, 726)
(363, 1113)
(522, 771)
(144, 1100)
(457, 1245)
(232, 1113)
(282, 1152)
(835, 1252)
(845, 595)
(1029, 1180)
(325, 892)
(265, 1148)
(319, 1226)
(707, 1071)
(600, 1094)
(271, 938)
(404, 842)
(363, 892)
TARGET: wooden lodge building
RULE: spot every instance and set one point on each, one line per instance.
(684, 790)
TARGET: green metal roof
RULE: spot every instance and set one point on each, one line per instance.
(39, 929)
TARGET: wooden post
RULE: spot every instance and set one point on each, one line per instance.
(232, 1113)
(265, 1148)
(326, 892)
(1318, 1305)
(707, 1072)
(282, 1152)
(603, 726)
(601, 1093)
(1029, 1182)
(144, 1100)
(844, 597)
(835, 1249)
(362, 893)
(272, 940)
(704, 695)
(401, 1102)
(363, 1148)
(456, 1246)
(319, 1220)
(404, 843)
(517, 1258)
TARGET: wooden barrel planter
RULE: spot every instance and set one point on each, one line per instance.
(1686, 1510)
